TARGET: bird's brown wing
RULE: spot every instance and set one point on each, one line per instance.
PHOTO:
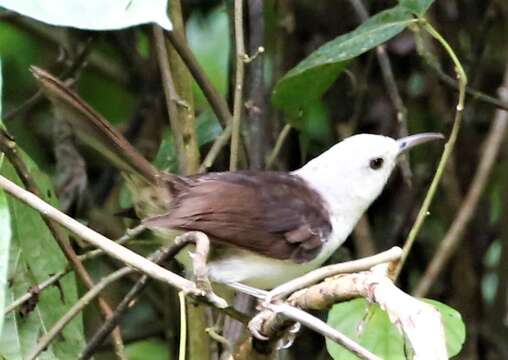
(270, 213)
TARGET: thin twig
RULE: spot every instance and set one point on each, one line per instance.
(278, 145)
(217, 102)
(8, 146)
(453, 237)
(238, 90)
(449, 146)
(214, 151)
(40, 287)
(474, 93)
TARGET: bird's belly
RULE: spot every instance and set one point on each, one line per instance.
(263, 272)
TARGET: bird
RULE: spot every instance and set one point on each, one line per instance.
(265, 227)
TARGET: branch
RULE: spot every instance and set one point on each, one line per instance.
(453, 237)
(419, 322)
(116, 251)
(101, 335)
(474, 93)
(256, 104)
(324, 272)
(238, 90)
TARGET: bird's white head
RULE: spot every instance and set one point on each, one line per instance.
(351, 174)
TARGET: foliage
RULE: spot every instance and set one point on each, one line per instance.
(370, 326)
(34, 256)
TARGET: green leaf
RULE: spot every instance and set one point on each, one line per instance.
(139, 350)
(316, 73)
(34, 256)
(5, 240)
(419, 7)
(370, 327)
(5, 231)
(208, 37)
(455, 330)
(93, 14)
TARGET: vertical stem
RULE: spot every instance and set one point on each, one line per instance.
(198, 343)
(238, 91)
(183, 87)
(422, 214)
(255, 104)
(170, 95)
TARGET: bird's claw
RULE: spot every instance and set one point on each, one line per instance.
(256, 324)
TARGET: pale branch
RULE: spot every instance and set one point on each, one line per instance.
(419, 322)
(453, 237)
(129, 234)
(324, 272)
(110, 247)
(238, 86)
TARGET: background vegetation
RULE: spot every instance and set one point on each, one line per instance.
(117, 72)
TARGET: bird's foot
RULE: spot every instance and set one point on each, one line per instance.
(255, 325)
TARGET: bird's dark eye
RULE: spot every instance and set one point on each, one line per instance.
(376, 163)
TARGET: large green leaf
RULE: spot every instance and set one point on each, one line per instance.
(5, 231)
(418, 7)
(314, 75)
(93, 14)
(370, 327)
(455, 330)
(34, 256)
(5, 240)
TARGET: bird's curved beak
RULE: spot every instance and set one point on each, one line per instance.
(411, 141)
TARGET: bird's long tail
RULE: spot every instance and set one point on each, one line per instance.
(92, 129)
